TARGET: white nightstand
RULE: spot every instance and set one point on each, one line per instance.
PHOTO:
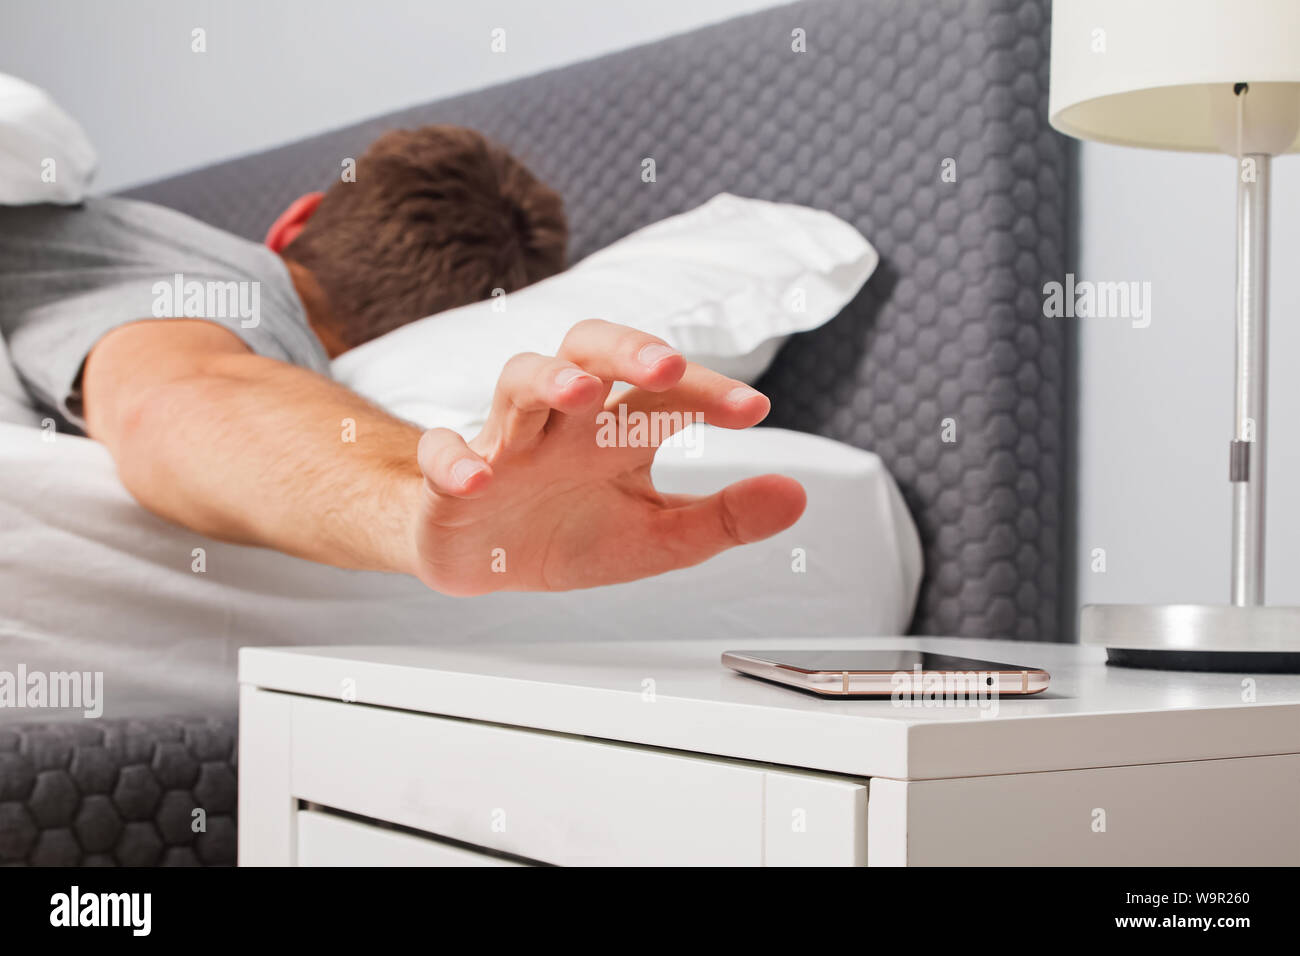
(642, 753)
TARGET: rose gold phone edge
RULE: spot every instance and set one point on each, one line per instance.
(1021, 682)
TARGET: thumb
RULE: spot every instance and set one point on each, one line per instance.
(742, 513)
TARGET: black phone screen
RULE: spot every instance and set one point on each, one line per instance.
(884, 661)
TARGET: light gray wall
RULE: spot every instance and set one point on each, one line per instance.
(1156, 403)
(277, 71)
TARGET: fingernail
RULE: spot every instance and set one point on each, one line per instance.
(465, 469)
(567, 375)
(740, 393)
(651, 355)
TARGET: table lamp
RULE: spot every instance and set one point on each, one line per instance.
(1218, 76)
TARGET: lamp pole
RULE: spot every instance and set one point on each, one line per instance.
(1247, 460)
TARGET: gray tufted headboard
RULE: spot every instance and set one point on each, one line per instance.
(948, 332)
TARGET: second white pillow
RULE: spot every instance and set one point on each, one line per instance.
(725, 283)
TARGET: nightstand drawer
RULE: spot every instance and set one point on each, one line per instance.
(569, 800)
(326, 839)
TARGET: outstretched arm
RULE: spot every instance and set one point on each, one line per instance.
(251, 450)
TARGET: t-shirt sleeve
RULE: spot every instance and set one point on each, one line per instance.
(49, 346)
(69, 277)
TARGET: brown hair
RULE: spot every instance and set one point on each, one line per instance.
(438, 217)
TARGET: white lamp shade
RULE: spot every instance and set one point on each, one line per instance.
(1160, 73)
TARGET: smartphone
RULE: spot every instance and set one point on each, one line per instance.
(886, 673)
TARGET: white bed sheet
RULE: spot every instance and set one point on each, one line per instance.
(89, 581)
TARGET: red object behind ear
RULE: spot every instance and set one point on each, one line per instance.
(285, 229)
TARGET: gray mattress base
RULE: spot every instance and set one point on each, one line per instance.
(159, 792)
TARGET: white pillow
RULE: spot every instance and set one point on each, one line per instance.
(44, 154)
(725, 283)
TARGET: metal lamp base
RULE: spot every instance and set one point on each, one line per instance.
(1196, 637)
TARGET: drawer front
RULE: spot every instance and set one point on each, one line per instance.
(325, 839)
(567, 800)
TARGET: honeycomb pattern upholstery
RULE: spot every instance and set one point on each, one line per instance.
(118, 793)
(949, 328)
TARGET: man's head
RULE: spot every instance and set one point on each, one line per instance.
(438, 217)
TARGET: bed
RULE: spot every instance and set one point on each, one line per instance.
(930, 419)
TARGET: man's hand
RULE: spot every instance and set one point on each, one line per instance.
(248, 449)
(535, 503)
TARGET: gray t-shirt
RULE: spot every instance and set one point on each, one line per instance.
(71, 274)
